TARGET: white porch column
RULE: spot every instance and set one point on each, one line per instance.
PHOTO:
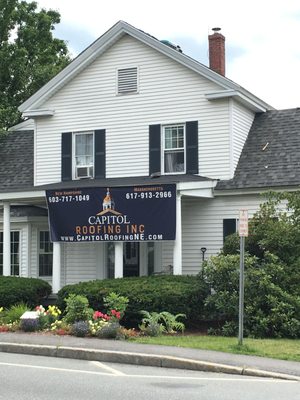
(119, 260)
(6, 240)
(56, 267)
(177, 250)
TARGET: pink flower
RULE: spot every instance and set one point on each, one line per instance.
(99, 314)
(116, 314)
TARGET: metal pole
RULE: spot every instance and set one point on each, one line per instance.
(241, 297)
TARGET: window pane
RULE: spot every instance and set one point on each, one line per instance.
(45, 254)
(14, 253)
(174, 161)
(84, 149)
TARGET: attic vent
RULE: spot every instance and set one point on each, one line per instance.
(127, 80)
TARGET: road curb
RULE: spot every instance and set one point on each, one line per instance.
(152, 360)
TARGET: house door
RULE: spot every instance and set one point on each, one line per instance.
(131, 259)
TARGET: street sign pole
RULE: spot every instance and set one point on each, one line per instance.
(243, 232)
(241, 296)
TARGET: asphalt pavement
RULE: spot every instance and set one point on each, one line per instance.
(121, 351)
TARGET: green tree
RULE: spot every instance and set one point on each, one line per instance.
(29, 54)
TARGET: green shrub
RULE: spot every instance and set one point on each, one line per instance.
(114, 301)
(15, 312)
(77, 309)
(14, 290)
(151, 324)
(177, 294)
(269, 310)
(154, 323)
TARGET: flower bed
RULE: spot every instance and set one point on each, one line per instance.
(80, 320)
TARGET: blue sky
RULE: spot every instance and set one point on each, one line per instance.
(262, 37)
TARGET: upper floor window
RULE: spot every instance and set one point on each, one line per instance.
(83, 155)
(174, 149)
(127, 80)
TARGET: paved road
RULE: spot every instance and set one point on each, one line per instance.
(141, 354)
(26, 377)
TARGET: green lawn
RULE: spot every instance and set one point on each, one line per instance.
(284, 349)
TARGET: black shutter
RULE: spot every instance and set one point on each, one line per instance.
(100, 153)
(229, 227)
(66, 156)
(192, 166)
(154, 149)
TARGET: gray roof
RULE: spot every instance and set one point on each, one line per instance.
(16, 160)
(271, 155)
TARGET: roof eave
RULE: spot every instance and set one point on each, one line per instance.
(249, 100)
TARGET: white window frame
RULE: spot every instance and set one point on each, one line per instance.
(91, 165)
(137, 80)
(42, 253)
(164, 149)
(11, 253)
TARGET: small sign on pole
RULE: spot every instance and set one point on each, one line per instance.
(243, 223)
(243, 232)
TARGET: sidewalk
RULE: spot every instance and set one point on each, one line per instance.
(143, 354)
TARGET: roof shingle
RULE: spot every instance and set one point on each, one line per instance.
(16, 160)
(271, 154)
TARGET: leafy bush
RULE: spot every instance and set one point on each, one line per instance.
(114, 301)
(77, 309)
(14, 290)
(177, 294)
(154, 323)
(275, 229)
(171, 322)
(14, 313)
(151, 324)
(270, 311)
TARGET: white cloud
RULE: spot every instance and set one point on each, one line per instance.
(264, 34)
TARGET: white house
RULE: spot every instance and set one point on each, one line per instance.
(135, 117)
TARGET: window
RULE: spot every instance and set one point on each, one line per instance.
(127, 80)
(229, 227)
(84, 155)
(174, 149)
(14, 253)
(45, 254)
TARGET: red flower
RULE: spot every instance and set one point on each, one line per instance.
(116, 314)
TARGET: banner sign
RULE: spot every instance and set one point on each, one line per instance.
(135, 213)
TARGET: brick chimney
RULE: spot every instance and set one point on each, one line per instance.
(217, 51)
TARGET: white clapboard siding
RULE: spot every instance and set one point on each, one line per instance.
(242, 119)
(82, 262)
(167, 254)
(202, 226)
(168, 93)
